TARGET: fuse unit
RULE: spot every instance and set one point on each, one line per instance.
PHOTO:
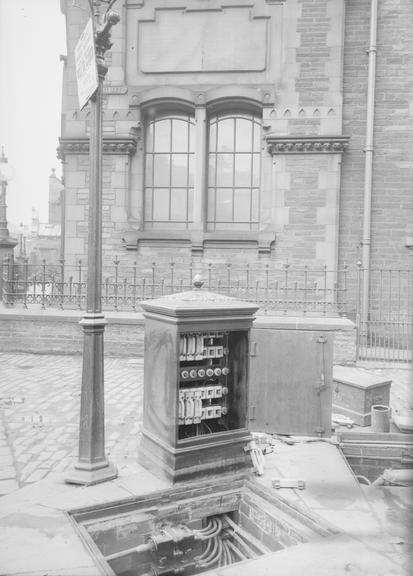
(195, 384)
(203, 383)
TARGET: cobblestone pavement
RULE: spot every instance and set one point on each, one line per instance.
(39, 412)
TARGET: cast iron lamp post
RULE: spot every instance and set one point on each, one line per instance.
(92, 465)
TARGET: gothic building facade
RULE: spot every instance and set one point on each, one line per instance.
(246, 131)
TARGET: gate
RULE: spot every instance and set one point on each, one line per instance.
(385, 332)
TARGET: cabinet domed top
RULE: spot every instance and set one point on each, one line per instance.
(199, 302)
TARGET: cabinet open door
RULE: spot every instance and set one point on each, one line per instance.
(290, 382)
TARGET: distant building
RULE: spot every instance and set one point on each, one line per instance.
(42, 240)
(236, 132)
(55, 198)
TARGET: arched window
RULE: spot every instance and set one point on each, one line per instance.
(169, 172)
(234, 172)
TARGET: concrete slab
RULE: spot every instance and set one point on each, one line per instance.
(330, 485)
(41, 539)
(39, 536)
(35, 530)
(339, 557)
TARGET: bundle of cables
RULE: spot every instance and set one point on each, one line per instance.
(226, 543)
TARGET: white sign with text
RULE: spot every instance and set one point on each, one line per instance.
(85, 60)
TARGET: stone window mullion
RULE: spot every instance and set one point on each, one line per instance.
(201, 158)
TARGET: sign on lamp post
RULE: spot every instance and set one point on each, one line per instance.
(85, 61)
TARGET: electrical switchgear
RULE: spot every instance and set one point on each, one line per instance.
(195, 384)
(206, 392)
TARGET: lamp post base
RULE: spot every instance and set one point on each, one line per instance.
(89, 474)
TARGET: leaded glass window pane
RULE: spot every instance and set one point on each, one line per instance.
(161, 204)
(169, 172)
(243, 135)
(234, 172)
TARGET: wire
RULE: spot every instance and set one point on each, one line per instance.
(227, 552)
(205, 425)
(206, 528)
(220, 551)
(364, 478)
(215, 555)
(245, 546)
(214, 531)
(245, 536)
(210, 558)
(236, 551)
(206, 552)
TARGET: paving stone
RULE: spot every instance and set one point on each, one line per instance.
(51, 388)
(7, 473)
(37, 475)
(6, 459)
(7, 486)
(23, 458)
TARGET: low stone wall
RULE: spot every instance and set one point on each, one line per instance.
(58, 332)
(370, 453)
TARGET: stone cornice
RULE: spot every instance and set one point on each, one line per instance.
(111, 145)
(306, 144)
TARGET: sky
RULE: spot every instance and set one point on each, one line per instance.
(32, 37)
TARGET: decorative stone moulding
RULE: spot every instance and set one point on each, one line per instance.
(306, 144)
(198, 241)
(111, 145)
(264, 95)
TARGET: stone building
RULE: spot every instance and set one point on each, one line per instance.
(42, 241)
(56, 190)
(236, 132)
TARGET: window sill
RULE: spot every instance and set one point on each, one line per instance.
(198, 241)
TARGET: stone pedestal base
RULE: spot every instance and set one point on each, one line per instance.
(87, 474)
(197, 458)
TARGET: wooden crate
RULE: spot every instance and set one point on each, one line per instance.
(356, 390)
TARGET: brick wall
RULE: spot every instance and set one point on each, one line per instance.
(344, 348)
(313, 54)
(60, 333)
(354, 118)
(308, 102)
(392, 200)
(313, 204)
(275, 534)
(371, 461)
(393, 161)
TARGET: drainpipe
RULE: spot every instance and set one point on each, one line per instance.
(368, 169)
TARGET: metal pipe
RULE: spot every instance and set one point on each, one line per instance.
(368, 160)
(142, 548)
(246, 536)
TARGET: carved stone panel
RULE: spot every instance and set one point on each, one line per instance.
(231, 39)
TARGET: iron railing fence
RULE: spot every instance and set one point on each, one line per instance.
(385, 333)
(283, 288)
